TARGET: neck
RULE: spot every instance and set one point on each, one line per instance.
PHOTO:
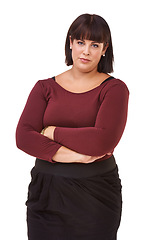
(78, 75)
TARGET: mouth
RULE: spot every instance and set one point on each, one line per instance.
(84, 60)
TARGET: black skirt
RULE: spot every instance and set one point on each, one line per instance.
(74, 201)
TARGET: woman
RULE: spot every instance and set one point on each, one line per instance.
(71, 123)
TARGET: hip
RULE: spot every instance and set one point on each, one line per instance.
(76, 170)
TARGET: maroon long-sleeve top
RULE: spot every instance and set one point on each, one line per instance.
(90, 123)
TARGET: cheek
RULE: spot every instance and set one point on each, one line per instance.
(75, 52)
(97, 56)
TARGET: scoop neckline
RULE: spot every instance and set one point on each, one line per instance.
(107, 79)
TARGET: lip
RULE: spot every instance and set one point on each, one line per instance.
(84, 60)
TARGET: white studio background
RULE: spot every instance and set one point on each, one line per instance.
(32, 48)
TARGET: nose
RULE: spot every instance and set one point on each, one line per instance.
(86, 50)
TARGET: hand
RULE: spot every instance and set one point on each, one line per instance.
(49, 132)
(90, 159)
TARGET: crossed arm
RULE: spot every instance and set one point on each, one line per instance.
(66, 155)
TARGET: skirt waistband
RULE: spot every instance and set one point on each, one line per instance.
(76, 170)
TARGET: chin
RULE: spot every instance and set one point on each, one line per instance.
(86, 69)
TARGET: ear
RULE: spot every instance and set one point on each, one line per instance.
(105, 48)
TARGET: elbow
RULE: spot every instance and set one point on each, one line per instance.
(103, 146)
(107, 146)
(109, 141)
(103, 149)
(19, 138)
(19, 143)
(100, 148)
(23, 137)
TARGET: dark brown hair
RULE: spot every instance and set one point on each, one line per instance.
(95, 28)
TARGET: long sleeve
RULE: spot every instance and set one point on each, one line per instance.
(28, 137)
(109, 125)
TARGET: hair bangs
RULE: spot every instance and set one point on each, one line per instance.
(91, 31)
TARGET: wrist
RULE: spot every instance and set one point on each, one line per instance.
(49, 132)
(43, 130)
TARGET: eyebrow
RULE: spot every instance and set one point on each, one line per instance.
(90, 40)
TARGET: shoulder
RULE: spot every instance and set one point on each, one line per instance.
(115, 83)
(43, 87)
(45, 84)
(114, 87)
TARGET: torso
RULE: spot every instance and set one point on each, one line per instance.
(66, 108)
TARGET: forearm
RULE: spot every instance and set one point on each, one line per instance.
(89, 140)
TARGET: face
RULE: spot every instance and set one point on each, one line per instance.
(86, 54)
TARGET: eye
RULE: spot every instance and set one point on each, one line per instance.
(95, 45)
(80, 42)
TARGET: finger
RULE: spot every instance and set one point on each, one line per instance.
(108, 153)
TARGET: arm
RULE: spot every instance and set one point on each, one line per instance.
(108, 129)
(28, 137)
